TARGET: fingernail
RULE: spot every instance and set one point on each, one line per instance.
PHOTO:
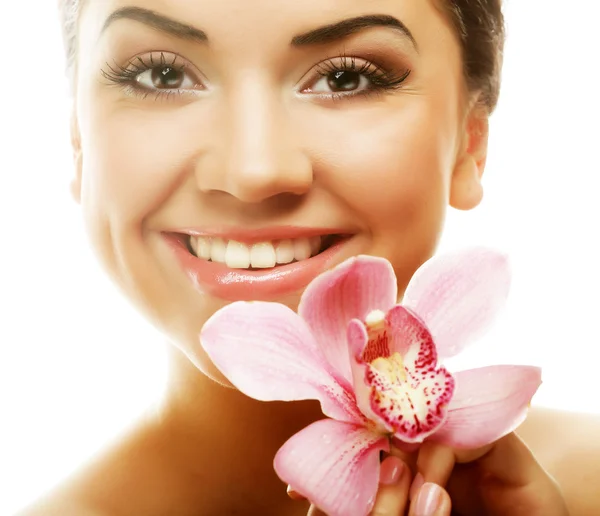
(428, 500)
(294, 495)
(391, 471)
(415, 486)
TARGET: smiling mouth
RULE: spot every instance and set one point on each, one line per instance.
(260, 255)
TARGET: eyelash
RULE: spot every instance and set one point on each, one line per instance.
(126, 76)
(380, 80)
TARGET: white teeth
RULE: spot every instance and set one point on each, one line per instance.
(285, 252)
(315, 245)
(237, 255)
(203, 247)
(301, 249)
(218, 250)
(263, 256)
(194, 245)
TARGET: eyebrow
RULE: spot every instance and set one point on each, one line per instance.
(319, 36)
(157, 21)
(343, 29)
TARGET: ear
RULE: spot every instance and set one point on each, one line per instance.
(77, 157)
(466, 190)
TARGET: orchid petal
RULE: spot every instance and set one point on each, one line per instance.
(349, 291)
(458, 295)
(268, 353)
(335, 465)
(358, 339)
(408, 335)
(488, 404)
(408, 394)
(414, 407)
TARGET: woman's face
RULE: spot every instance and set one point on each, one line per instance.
(256, 133)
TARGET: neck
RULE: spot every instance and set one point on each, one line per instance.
(229, 440)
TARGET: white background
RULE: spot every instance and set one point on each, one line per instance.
(77, 363)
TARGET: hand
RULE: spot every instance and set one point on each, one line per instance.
(393, 495)
(502, 479)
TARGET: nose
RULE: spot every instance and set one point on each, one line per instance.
(257, 154)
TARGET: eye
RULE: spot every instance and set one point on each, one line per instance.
(351, 76)
(341, 81)
(166, 77)
(157, 74)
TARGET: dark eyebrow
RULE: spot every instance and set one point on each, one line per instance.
(345, 28)
(157, 21)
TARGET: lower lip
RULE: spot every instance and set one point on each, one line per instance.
(220, 281)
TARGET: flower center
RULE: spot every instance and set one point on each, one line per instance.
(378, 345)
(375, 320)
(408, 393)
(389, 375)
(391, 368)
(397, 395)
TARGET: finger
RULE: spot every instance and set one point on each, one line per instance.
(510, 466)
(407, 454)
(431, 500)
(313, 511)
(394, 483)
(294, 495)
(434, 464)
(508, 460)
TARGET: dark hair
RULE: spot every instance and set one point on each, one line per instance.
(479, 25)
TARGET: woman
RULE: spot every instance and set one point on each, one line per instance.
(202, 127)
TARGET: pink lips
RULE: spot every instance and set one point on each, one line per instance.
(220, 281)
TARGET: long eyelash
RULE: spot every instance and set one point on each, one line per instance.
(125, 76)
(381, 80)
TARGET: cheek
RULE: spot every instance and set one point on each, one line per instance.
(126, 173)
(127, 177)
(392, 171)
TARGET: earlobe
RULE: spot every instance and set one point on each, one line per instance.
(77, 159)
(466, 189)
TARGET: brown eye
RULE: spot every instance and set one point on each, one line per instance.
(166, 77)
(348, 76)
(343, 81)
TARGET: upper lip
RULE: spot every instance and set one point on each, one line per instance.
(252, 236)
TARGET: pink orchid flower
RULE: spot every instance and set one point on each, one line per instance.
(373, 365)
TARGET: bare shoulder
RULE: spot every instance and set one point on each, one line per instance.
(567, 445)
(553, 433)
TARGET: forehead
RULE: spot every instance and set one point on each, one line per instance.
(264, 23)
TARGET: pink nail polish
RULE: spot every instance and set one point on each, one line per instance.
(415, 486)
(391, 471)
(428, 500)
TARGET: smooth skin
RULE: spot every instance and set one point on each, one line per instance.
(258, 139)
